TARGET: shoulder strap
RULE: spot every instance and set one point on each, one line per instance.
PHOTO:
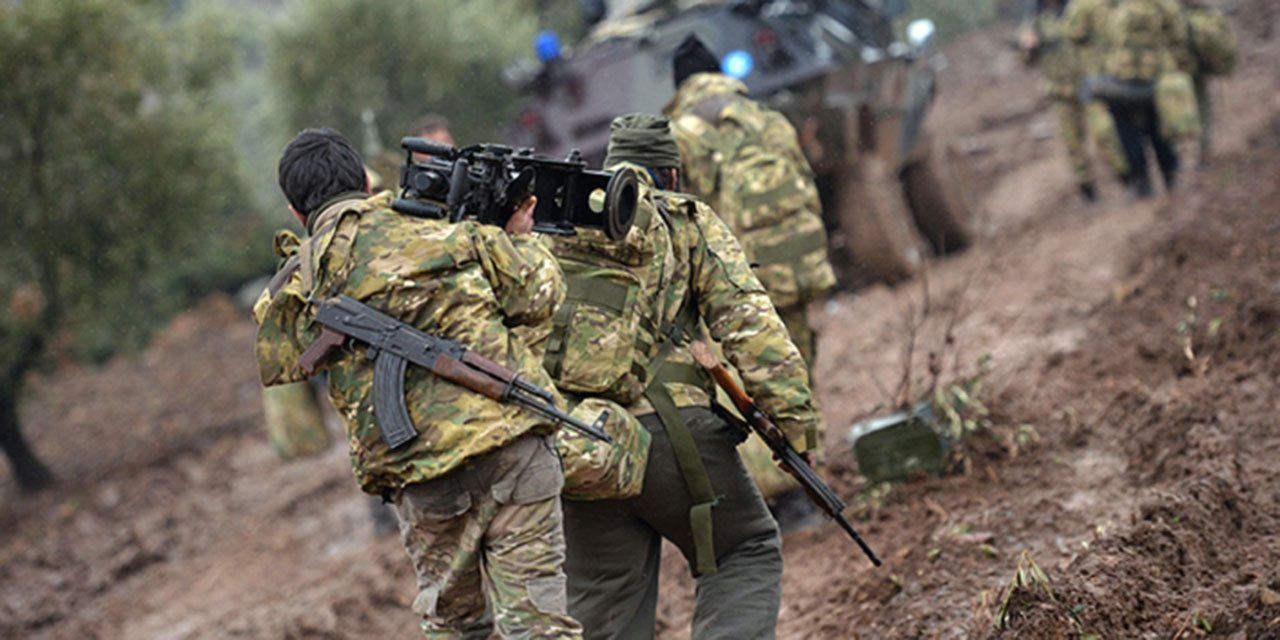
(695, 475)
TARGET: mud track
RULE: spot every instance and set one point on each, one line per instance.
(1139, 341)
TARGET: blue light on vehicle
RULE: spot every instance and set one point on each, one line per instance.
(737, 64)
(547, 45)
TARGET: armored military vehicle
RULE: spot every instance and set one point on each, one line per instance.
(857, 96)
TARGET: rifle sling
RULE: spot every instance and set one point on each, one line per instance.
(682, 443)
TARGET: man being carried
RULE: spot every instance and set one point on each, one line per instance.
(477, 490)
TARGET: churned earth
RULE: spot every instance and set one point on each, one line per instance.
(1135, 346)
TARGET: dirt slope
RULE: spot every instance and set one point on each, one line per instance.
(1150, 500)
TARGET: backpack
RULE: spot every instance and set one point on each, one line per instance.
(604, 334)
(768, 197)
(1213, 43)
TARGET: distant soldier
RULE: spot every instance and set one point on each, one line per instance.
(1134, 42)
(1042, 43)
(1212, 48)
(632, 308)
(477, 490)
(745, 161)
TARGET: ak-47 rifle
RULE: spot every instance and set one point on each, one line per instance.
(393, 344)
(787, 456)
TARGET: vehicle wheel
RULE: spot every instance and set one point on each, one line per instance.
(935, 190)
(876, 223)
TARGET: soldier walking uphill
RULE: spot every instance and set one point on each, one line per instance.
(1134, 41)
(745, 161)
(1042, 43)
(633, 306)
(477, 491)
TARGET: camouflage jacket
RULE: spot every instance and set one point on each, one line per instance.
(682, 253)
(745, 160)
(1129, 40)
(1057, 58)
(464, 281)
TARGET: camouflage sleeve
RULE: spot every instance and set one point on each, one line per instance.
(741, 318)
(524, 275)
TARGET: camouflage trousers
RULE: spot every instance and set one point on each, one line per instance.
(490, 533)
(615, 546)
(1074, 131)
(1079, 123)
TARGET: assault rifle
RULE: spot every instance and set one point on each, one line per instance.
(787, 456)
(486, 182)
(392, 345)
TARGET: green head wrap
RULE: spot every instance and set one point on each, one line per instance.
(644, 139)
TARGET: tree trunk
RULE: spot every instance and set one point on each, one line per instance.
(31, 474)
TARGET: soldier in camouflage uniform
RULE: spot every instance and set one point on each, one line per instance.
(745, 161)
(1132, 42)
(687, 270)
(1043, 44)
(477, 491)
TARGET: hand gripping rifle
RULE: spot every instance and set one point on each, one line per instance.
(787, 456)
(394, 344)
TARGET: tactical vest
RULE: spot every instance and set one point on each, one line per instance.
(608, 340)
(765, 194)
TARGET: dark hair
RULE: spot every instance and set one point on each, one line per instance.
(317, 165)
(692, 57)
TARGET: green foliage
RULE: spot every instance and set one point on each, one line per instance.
(333, 59)
(122, 197)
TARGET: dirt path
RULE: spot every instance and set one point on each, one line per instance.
(1150, 500)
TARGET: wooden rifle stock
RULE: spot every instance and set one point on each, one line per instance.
(787, 456)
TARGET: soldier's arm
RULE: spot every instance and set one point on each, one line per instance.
(741, 318)
(523, 274)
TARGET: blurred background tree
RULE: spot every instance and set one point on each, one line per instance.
(122, 196)
(333, 59)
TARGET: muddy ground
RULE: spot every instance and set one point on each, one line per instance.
(1138, 342)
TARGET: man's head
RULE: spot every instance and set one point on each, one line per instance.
(646, 140)
(317, 165)
(431, 126)
(692, 57)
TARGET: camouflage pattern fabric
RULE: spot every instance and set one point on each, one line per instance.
(1177, 107)
(595, 470)
(1129, 40)
(1060, 62)
(679, 249)
(712, 269)
(295, 425)
(607, 329)
(1102, 129)
(464, 281)
(748, 165)
(1073, 129)
(1063, 72)
(491, 528)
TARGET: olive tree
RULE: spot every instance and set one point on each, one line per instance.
(120, 194)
